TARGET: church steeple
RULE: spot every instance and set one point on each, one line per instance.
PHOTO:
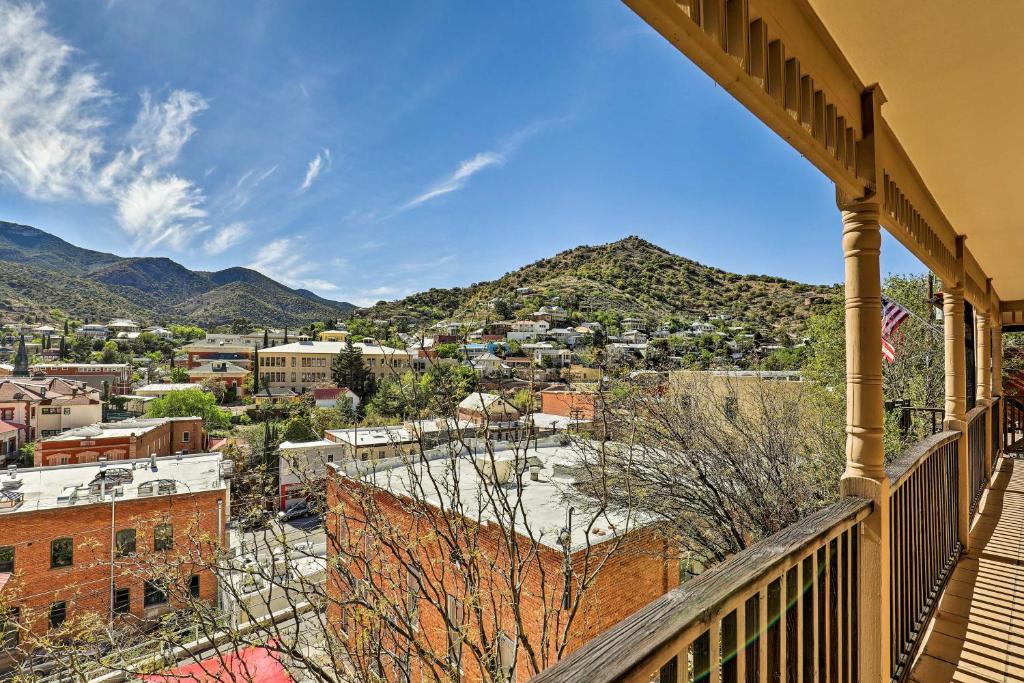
(21, 360)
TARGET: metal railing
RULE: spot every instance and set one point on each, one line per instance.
(784, 608)
(923, 541)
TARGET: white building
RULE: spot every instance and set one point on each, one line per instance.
(524, 330)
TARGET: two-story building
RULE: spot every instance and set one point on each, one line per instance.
(44, 407)
(301, 366)
(125, 440)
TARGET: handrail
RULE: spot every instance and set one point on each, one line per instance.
(900, 470)
(652, 637)
(974, 413)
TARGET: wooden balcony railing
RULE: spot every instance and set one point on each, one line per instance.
(787, 608)
(977, 474)
(788, 603)
(922, 538)
(1013, 421)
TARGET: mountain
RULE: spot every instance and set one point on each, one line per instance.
(42, 273)
(631, 277)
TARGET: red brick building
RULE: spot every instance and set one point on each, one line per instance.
(568, 403)
(56, 549)
(381, 534)
(126, 440)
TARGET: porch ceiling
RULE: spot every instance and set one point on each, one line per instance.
(951, 74)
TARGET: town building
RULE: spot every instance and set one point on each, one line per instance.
(207, 351)
(526, 330)
(572, 403)
(43, 407)
(334, 335)
(231, 375)
(115, 377)
(424, 583)
(93, 331)
(375, 443)
(301, 366)
(273, 396)
(124, 440)
(85, 540)
(123, 325)
(551, 313)
(159, 390)
(335, 397)
(302, 465)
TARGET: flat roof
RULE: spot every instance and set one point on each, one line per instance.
(543, 504)
(114, 430)
(41, 486)
(373, 436)
(332, 347)
(160, 388)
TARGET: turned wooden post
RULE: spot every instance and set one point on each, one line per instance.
(956, 386)
(865, 452)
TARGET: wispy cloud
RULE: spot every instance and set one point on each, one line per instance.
(225, 238)
(55, 137)
(285, 260)
(468, 168)
(458, 179)
(242, 192)
(321, 162)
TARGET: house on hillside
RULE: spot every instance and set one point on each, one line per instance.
(233, 376)
(335, 397)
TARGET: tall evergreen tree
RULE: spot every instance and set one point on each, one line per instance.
(256, 367)
(350, 370)
(286, 335)
(266, 338)
(65, 327)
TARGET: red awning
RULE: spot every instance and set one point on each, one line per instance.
(251, 665)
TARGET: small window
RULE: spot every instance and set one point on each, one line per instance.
(125, 542)
(67, 411)
(6, 559)
(62, 553)
(456, 615)
(163, 537)
(153, 594)
(58, 614)
(122, 600)
(10, 630)
(185, 436)
(193, 585)
(507, 656)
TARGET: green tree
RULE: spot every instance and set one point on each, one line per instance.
(110, 353)
(179, 376)
(350, 370)
(298, 428)
(191, 402)
(448, 351)
(187, 332)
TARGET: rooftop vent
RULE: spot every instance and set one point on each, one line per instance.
(68, 495)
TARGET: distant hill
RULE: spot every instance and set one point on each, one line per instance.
(631, 277)
(40, 273)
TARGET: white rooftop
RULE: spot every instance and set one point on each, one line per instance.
(543, 503)
(162, 388)
(114, 430)
(372, 436)
(333, 348)
(40, 487)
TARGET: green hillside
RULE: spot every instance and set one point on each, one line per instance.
(42, 273)
(631, 277)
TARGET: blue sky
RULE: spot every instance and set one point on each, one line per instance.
(367, 150)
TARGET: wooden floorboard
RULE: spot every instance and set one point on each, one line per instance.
(977, 634)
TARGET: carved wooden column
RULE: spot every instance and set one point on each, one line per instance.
(956, 385)
(983, 371)
(997, 376)
(865, 453)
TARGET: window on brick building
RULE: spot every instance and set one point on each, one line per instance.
(456, 612)
(185, 437)
(414, 584)
(163, 537)
(10, 632)
(62, 553)
(193, 585)
(58, 614)
(153, 594)
(122, 600)
(6, 559)
(125, 542)
(507, 656)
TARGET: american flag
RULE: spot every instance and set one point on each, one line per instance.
(893, 316)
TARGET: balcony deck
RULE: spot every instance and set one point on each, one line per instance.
(978, 630)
